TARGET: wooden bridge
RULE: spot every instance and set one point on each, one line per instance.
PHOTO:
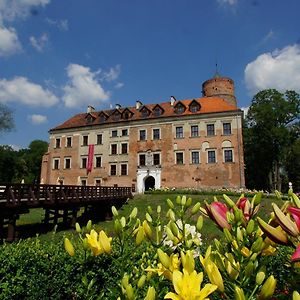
(58, 201)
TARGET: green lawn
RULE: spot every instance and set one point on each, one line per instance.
(30, 224)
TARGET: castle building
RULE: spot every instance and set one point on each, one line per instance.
(191, 143)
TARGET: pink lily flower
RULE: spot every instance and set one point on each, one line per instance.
(295, 212)
(296, 255)
(217, 212)
(241, 203)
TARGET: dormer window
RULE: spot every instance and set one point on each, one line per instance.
(126, 114)
(194, 106)
(157, 110)
(116, 115)
(179, 108)
(145, 112)
(90, 119)
(103, 117)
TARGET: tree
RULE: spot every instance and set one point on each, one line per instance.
(8, 161)
(33, 158)
(270, 129)
(6, 118)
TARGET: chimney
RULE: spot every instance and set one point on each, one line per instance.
(138, 104)
(90, 109)
(118, 106)
(172, 100)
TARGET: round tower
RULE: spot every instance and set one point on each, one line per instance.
(219, 86)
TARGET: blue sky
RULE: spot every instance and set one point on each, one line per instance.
(58, 56)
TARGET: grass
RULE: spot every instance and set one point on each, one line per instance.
(31, 224)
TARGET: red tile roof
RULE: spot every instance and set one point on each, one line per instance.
(208, 105)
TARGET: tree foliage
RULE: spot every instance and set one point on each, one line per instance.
(6, 118)
(24, 164)
(271, 128)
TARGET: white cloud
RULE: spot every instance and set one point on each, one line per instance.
(112, 74)
(39, 43)
(84, 87)
(9, 42)
(62, 25)
(21, 90)
(279, 69)
(37, 119)
(228, 2)
(119, 85)
(13, 9)
(10, 10)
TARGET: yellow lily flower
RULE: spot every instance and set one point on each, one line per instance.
(188, 286)
(99, 243)
(69, 247)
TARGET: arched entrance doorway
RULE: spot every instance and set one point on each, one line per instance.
(149, 183)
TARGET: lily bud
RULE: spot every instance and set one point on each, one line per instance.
(178, 200)
(89, 225)
(140, 236)
(268, 288)
(260, 276)
(78, 228)
(183, 200)
(239, 235)
(147, 229)
(228, 235)
(133, 213)
(117, 226)
(169, 233)
(250, 227)
(150, 293)
(189, 202)
(158, 209)
(174, 228)
(123, 222)
(199, 224)
(148, 218)
(249, 269)
(239, 293)
(141, 281)
(296, 200)
(170, 203)
(296, 295)
(149, 209)
(164, 258)
(129, 292)
(69, 247)
(114, 211)
(195, 208)
(229, 202)
(257, 245)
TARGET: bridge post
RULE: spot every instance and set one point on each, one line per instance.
(11, 229)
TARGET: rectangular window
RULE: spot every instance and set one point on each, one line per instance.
(98, 182)
(226, 128)
(195, 157)
(156, 134)
(142, 160)
(228, 156)
(124, 132)
(210, 129)
(113, 170)
(123, 169)
(69, 142)
(56, 163)
(211, 156)
(83, 162)
(194, 131)
(85, 140)
(156, 159)
(114, 133)
(142, 135)
(124, 148)
(83, 182)
(57, 143)
(179, 132)
(99, 139)
(179, 158)
(98, 162)
(113, 149)
(67, 163)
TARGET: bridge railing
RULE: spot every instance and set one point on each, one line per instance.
(14, 194)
